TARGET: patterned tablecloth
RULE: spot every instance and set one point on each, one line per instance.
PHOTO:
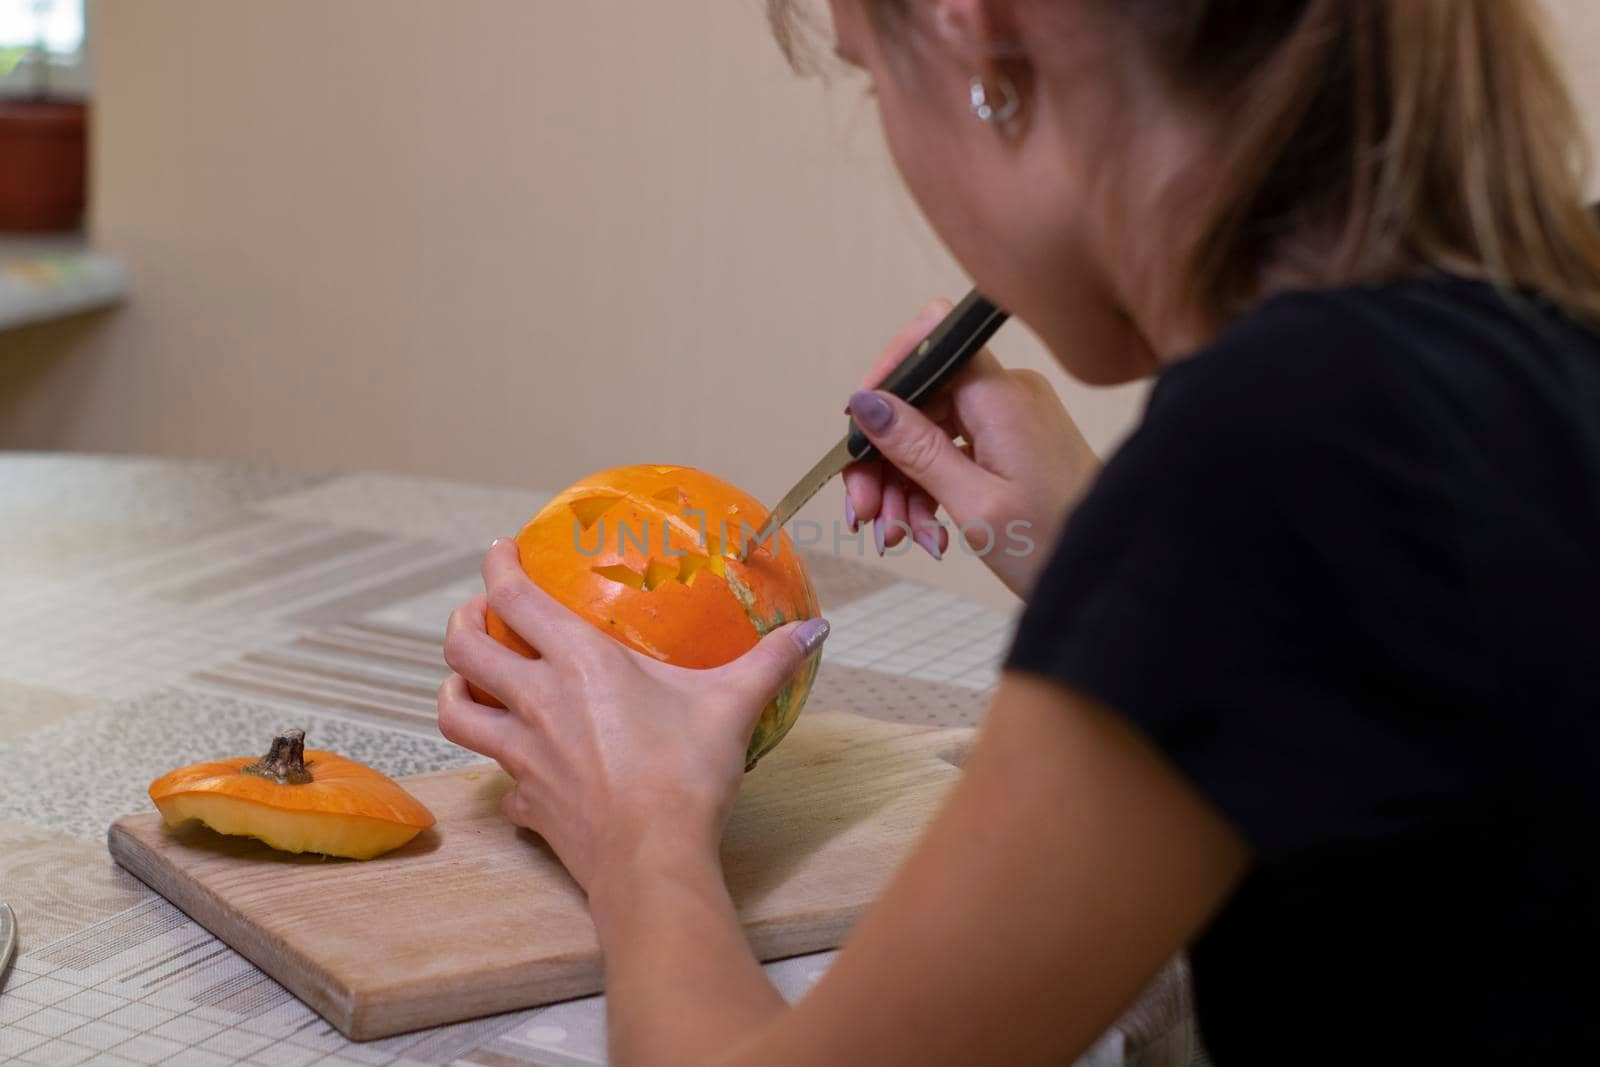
(154, 613)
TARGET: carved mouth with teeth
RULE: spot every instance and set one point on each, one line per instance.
(650, 554)
(685, 566)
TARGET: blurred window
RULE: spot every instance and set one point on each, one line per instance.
(42, 48)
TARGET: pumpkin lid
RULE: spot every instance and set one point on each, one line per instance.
(293, 778)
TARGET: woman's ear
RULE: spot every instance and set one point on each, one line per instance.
(980, 31)
(980, 38)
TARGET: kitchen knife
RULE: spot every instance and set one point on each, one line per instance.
(916, 379)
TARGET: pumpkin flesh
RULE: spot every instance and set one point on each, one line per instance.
(348, 836)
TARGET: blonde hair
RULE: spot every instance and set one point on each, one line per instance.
(1366, 140)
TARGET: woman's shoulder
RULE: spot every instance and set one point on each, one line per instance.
(1364, 354)
(1307, 336)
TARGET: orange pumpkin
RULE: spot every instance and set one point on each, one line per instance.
(295, 799)
(651, 556)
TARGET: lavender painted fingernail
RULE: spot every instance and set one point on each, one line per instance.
(878, 533)
(930, 543)
(871, 410)
(810, 634)
(850, 513)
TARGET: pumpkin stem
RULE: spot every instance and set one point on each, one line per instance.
(285, 761)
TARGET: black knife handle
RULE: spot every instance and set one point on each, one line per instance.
(958, 337)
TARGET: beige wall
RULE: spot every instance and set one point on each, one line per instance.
(509, 241)
(1576, 32)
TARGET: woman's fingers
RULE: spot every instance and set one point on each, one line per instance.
(485, 730)
(941, 409)
(760, 673)
(492, 667)
(893, 521)
(863, 493)
(863, 482)
(468, 616)
(926, 529)
(536, 616)
(515, 809)
(922, 451)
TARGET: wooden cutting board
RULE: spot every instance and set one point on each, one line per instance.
(475, 917)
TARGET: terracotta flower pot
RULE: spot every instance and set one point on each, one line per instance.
(44, 144)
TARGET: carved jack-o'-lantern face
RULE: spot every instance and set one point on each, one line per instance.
(650, 555)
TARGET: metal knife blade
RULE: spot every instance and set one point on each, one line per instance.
(828, 467)
(916, 379)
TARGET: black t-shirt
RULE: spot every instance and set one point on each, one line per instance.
(1345, 575)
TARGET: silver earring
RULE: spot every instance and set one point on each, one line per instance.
(994, 115)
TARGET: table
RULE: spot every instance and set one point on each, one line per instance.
(157, 612)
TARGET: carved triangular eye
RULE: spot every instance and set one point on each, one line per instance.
(622, 575)
(693, 564)
(672, 495)
(588, 509)
(685, 567)
(719, 551)
(658, 571)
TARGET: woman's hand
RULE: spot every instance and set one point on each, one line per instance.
(606, 747)
(1007, 488)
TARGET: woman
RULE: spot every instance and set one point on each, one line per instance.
(1308, 686)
